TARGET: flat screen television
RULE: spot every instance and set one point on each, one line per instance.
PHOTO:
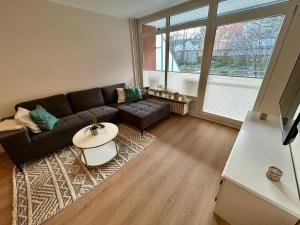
(290, 106)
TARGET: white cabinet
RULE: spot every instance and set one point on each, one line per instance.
(247, 196)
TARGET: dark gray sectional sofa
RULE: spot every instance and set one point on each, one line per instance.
(75, 111)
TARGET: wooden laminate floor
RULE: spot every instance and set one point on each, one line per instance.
(174, 181)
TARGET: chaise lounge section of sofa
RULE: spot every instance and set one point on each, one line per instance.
(140, 114)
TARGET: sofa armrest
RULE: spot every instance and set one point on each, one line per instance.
(17, 145)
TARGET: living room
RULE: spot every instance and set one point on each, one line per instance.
(149, 112)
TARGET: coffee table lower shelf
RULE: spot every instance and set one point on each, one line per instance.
(99, 155)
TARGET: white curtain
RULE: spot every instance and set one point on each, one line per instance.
(135, 51)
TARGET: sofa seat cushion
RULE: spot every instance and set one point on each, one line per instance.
(57, 105)
(43, 142)
(143, 114)
(72, 122)
(102, 113)
(85, 99)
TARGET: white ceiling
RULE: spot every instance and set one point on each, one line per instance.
(122, 8)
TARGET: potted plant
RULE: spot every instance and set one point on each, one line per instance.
(160, 90)
(93, 128)
(176, 95)
(146, 89)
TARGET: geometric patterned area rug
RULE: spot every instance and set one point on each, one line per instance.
(48, 185)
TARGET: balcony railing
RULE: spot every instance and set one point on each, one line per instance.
(177, 80)
(239, 73)
(229, 94)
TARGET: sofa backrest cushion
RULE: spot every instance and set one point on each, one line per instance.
(85, 99)
(110, 94)
(57, 105)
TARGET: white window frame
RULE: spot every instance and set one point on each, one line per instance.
(212, 22)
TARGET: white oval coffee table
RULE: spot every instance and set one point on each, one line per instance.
(99, 149)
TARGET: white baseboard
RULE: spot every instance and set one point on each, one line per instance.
(218, 119)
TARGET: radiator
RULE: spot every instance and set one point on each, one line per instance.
(178, 107)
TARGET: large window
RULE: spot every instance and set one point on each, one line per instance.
(189, 16)
(185, 56)
(224, 47)
(185, 49)
(241, 55)
(154, 26)
(233, 6)
(154, 61)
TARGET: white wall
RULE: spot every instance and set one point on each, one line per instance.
(48, 48)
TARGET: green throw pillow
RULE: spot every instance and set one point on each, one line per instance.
(132, 94)
(42, 118)
(139, 93)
